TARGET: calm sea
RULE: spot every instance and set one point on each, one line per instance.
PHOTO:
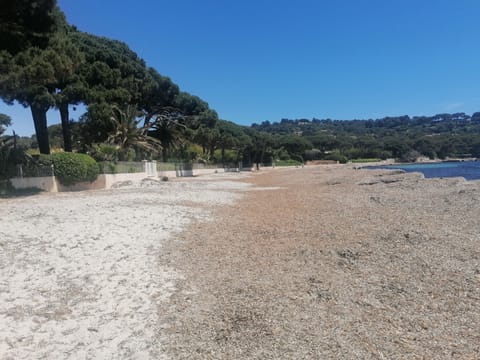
(470, 170)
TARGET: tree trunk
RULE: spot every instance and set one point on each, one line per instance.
(39, 114)
(67, 134)
(211, 151)
(164, 154)
(262, 154)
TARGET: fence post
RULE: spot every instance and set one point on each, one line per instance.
(154, 168)
(20, 170)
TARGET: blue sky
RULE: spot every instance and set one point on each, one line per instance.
(272, 59)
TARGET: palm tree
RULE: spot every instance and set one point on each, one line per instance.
(168, 127)
(127, 134)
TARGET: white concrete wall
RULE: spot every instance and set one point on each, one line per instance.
(104, 181)
(51, 184)
(47, 183)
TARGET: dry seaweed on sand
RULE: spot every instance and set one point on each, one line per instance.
(313, 271)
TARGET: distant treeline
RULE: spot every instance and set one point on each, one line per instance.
(402, 137)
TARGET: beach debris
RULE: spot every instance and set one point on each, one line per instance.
(122, 184)
(149, 182)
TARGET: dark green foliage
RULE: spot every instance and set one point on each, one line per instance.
(31, 60)
(128, 136)
(259, 148)
(313, 154)
(72, 168)
(55, 135)
(158, 92)
(112, 73)
(10, 152)
(25, 23)
(336, 156)
(9, 158)
(295, 144)
(5, 121)
(403, 137)
(288, 163)
(190, 104)
(45, 63)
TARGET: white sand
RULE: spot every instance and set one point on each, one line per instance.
(79, 272)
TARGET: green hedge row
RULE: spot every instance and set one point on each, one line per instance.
(72, 168)
(287, 163)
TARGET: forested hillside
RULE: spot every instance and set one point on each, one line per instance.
(403, 137)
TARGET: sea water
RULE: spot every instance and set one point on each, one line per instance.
(470, 170)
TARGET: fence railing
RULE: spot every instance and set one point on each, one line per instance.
(35, 170)
(127, 167)
(172, 166)
(121, 167)
(165, 166)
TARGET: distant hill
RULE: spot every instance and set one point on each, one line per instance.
(403, 137)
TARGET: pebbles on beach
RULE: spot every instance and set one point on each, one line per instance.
(326, 267)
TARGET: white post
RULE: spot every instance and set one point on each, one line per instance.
(154, 168)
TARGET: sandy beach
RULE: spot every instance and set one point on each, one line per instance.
(80, 276)
(321, 262)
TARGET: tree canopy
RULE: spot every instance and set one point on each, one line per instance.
(5, 121)
(47, 63)
(27, 23)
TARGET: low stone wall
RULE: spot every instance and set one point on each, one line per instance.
(104, 181)
(47, 183)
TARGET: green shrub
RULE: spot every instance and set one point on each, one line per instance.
(5, 187)
(366, 160)
(104, 152)
(72, 168)
(336, 156)
(112, 168)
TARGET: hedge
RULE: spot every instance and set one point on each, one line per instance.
(72, 168)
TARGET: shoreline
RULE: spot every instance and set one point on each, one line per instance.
(400, 167)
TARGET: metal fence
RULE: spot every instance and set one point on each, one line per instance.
(166, 166)
(35, 170)
(121, 167)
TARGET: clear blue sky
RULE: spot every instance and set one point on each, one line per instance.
(271, 59)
